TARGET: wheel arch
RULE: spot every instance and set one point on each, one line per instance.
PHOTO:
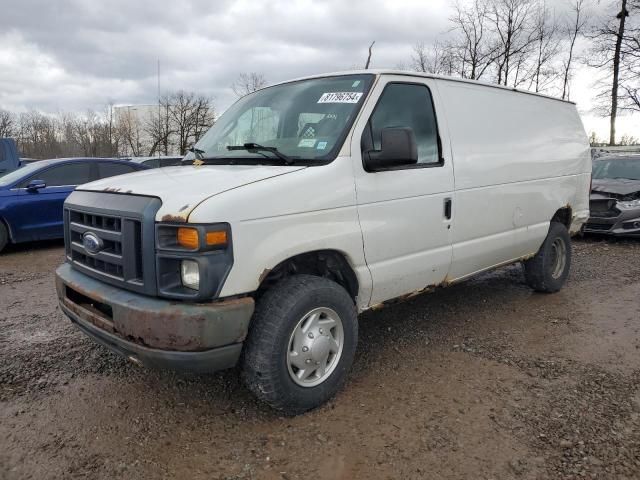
(564, 216)
(328, 263)
(8, 227)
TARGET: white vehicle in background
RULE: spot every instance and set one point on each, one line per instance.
(311, 201)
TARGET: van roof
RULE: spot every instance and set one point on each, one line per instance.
(424, 75)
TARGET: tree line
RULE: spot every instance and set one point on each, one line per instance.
(517, 43)
(525, 44)
(168, 128)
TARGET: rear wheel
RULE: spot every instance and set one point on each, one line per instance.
(301, 343)
(548, 270)
(4, 236)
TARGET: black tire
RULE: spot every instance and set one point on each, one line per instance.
(547, 271)
(4, 236)
(281, 309)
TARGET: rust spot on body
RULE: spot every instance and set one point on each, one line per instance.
(264, 275)
(174, 218)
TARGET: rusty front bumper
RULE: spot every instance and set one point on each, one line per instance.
(152, 331)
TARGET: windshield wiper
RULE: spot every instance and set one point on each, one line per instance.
(256, 148)
(197, 152)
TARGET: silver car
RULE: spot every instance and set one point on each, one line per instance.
(615, 196)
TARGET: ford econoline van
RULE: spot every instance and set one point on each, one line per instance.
(311, 201)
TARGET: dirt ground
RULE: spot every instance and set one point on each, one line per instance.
(484, 380)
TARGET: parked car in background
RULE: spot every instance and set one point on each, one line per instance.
(9, 158)
(615, 196)
(157, 162)
(31, 197)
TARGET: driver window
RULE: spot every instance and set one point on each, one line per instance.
(406, 105)
(69, 174)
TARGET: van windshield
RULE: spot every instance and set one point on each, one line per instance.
(306, 121)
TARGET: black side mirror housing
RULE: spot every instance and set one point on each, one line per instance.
(35, 185)
(398, 148)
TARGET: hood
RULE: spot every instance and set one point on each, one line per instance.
(181, 189)
(616, 186)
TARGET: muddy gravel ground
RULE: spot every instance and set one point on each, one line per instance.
(483, 380)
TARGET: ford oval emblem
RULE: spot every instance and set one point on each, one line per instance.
(92, 243)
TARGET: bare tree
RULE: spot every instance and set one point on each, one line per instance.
(473, 47)
(547, 45)
(574, 30)
(131, 130)
(159, 128)
(437, 59)
(630, 69)
(190, 115)
(614, 52)
(512, 22)
(38, 135)
(7, 124)
(366, 65)
(247, 83)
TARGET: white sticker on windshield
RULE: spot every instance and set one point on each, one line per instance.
(321, 145)
(340, 97)
(307, 142)
(356, 83)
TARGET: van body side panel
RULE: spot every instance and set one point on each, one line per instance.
(405, 233)
(518, 159)
(280, 217)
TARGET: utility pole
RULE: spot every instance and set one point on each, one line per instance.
(159, 106)
(622, 16)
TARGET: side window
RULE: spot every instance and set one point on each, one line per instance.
(63, 175)
(170, 162)
(154, 163)
(109, 169)
(407, 105)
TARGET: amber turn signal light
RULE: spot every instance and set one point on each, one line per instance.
(216, 238)
(188, 238)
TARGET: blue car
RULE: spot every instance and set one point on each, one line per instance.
(31, 197)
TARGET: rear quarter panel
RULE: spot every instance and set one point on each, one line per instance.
(518, 158)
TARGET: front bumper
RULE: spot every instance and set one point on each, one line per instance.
(625, 224)
(155, 332)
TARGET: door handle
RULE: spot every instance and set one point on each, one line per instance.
(447, 208)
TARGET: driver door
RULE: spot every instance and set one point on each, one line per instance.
(37, 215)
(405, 212)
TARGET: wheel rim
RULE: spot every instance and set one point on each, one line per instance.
(559, 257)
(315, 347)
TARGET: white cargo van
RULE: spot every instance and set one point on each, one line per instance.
(311, 201)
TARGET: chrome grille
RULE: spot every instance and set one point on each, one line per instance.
(120, 255)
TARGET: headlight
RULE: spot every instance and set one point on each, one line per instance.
(628, 204)
(193, 260)
(190, 274)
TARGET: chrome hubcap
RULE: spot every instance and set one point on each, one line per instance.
(559, 257)
(315, 347)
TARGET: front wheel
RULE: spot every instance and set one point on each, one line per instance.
(301, 343)
(548, 270)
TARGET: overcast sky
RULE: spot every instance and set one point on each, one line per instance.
(74, 55)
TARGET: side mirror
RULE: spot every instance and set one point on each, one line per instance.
(35, 185)
(398, 147)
